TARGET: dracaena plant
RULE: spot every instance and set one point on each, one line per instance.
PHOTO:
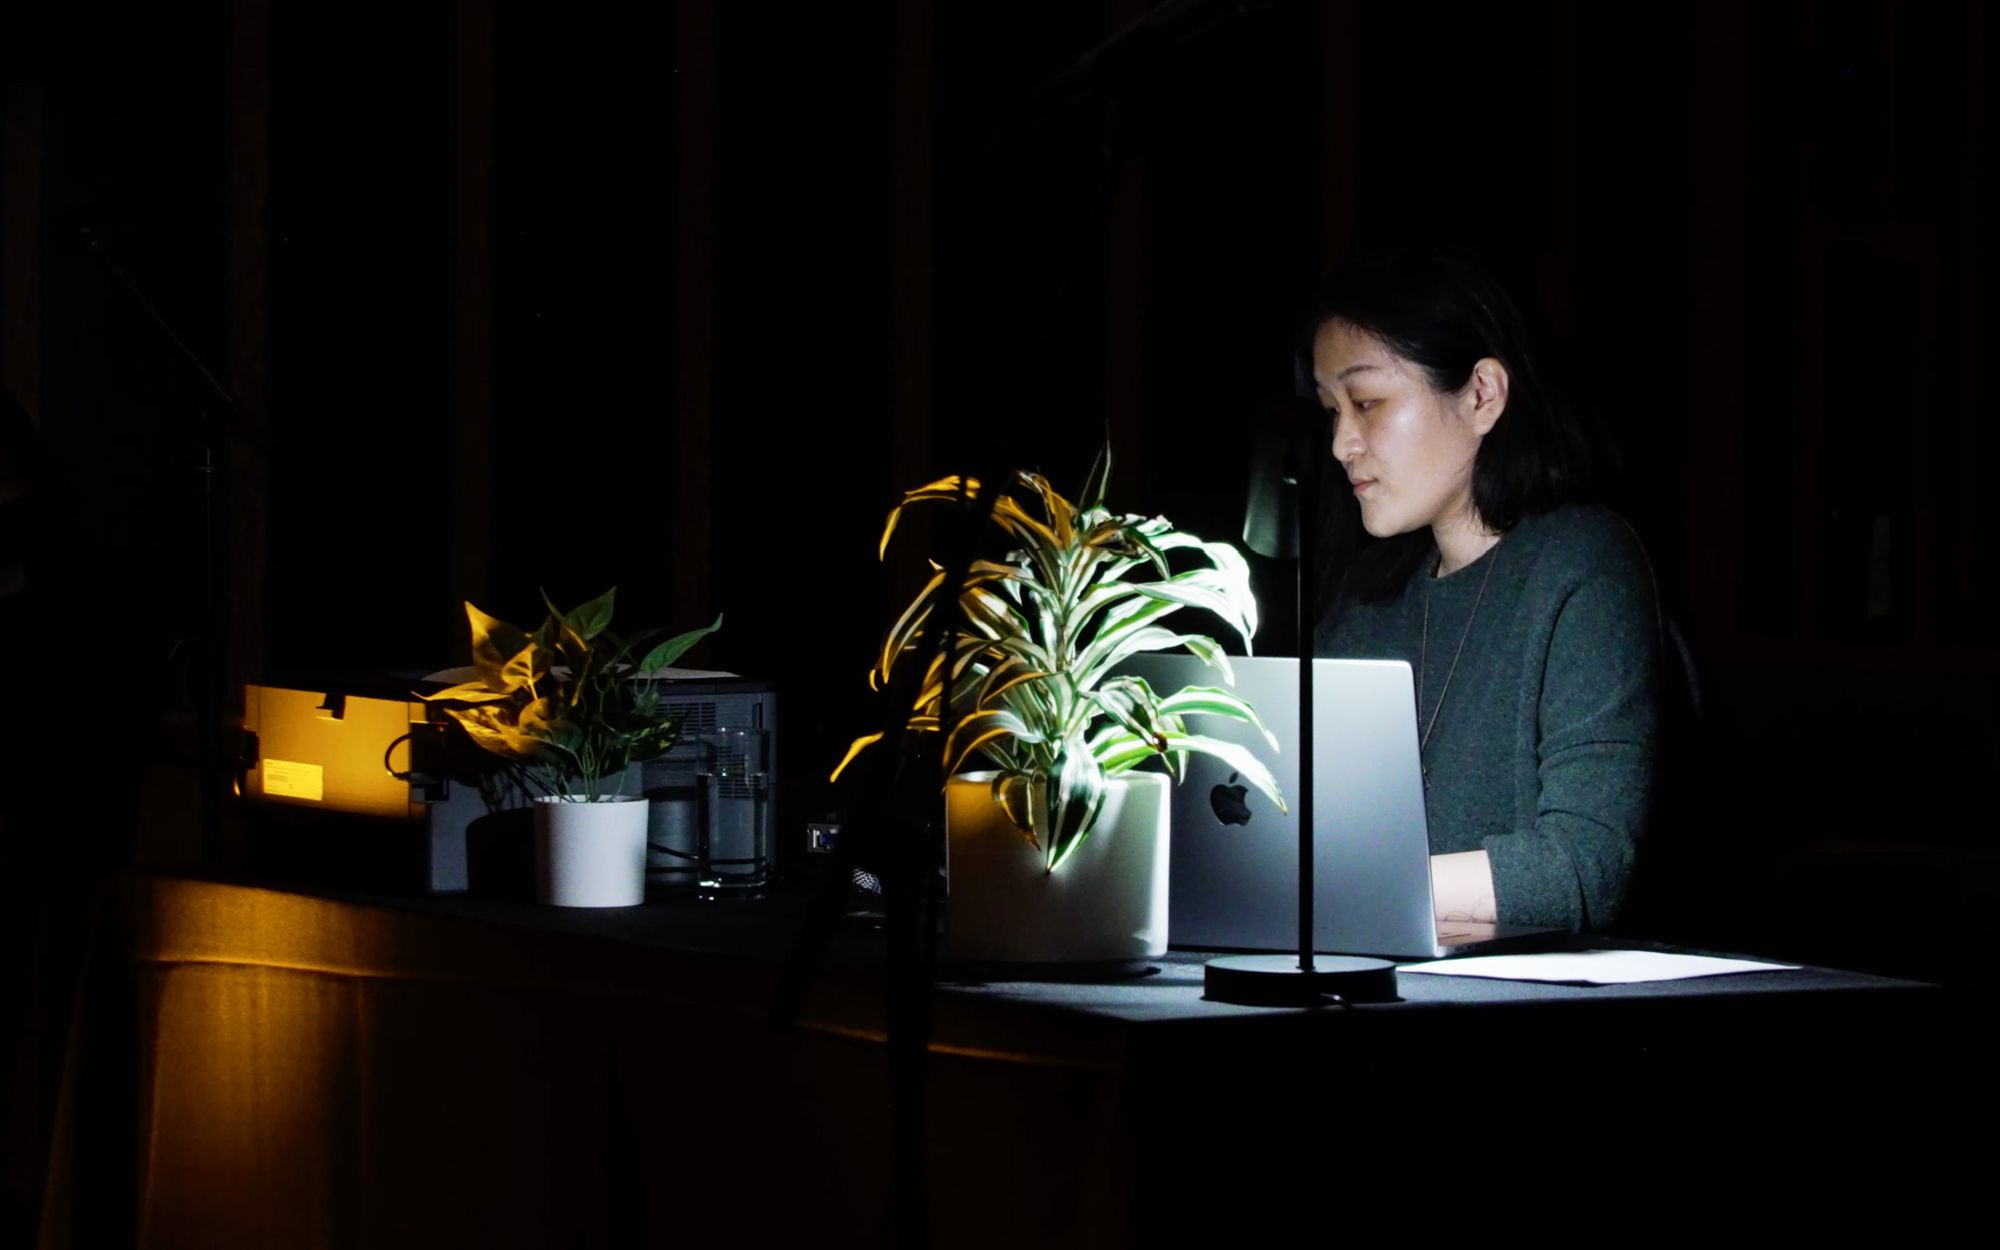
(1033, 682)
(560, 704)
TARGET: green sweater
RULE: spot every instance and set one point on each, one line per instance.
(1543, 751)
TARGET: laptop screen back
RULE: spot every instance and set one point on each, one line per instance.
(1234, 866)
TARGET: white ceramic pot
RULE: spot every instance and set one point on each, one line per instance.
(1106, 904)
(591, 854)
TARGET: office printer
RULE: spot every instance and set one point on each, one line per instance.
(353, 781)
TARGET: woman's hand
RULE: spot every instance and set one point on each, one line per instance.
(1462, 888)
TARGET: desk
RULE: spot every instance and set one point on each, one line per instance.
(303, 1070)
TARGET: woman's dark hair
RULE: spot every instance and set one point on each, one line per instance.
(1443, 311)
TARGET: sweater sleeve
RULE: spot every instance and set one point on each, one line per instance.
(1595, 721)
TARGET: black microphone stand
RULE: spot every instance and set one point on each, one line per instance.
(1282, 519)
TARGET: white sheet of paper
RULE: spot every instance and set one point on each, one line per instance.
(1592, 967)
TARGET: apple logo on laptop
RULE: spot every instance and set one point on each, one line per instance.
(1228, 801)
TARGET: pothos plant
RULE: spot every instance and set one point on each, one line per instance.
(1033, 681)
(560, 704)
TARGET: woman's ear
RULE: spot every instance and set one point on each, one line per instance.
(1487, 390)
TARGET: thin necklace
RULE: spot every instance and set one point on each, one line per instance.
(1423, 654)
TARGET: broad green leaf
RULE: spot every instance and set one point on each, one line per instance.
(590, 619)
(494, 642)
(493, 730)
(615, 650)
(469, 692)
(673, 648)
(572, 646)
(646, 702)
(542, 719)
(525, 667)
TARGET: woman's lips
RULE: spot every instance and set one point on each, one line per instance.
(1362, 484)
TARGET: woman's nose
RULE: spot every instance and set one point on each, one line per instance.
(1346, 437)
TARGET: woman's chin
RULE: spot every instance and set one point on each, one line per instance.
(1382, 527)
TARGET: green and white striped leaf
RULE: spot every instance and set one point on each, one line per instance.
(1076, 798)
(1132, 706)
(1119, 750)
(1062, 517)
(1014, 791)
(854, 749)
(944, 488)
(1214, 701)
(981, 727)
(1032, 679)
(1241, 760)
(1091, 497)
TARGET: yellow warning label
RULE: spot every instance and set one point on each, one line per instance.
(285, 779)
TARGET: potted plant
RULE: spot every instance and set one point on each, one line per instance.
(560, 706)
(1059, 853)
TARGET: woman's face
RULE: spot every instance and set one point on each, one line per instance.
(1407, 449)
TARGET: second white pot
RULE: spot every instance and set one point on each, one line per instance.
(591, 854)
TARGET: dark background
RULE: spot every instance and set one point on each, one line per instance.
(679, 298)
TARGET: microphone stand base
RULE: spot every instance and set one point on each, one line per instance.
(1278, 981)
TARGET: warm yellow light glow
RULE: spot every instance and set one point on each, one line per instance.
(244, 1063)
(321, 1073)
(290, 779)
(307, 757)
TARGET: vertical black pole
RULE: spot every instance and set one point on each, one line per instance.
(908, 994)
(1315, 451)
(208, 705)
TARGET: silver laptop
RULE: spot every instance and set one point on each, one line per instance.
(1234, 871)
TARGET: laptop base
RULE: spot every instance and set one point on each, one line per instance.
(1278, 981)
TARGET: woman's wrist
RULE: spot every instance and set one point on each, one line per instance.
(1462, 887)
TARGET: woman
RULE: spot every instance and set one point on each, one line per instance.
(1528, 615)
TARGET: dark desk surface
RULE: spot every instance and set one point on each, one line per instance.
(763, 932)
(337, 1068)
(744, 946)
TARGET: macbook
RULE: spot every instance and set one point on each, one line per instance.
(1235, 857)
